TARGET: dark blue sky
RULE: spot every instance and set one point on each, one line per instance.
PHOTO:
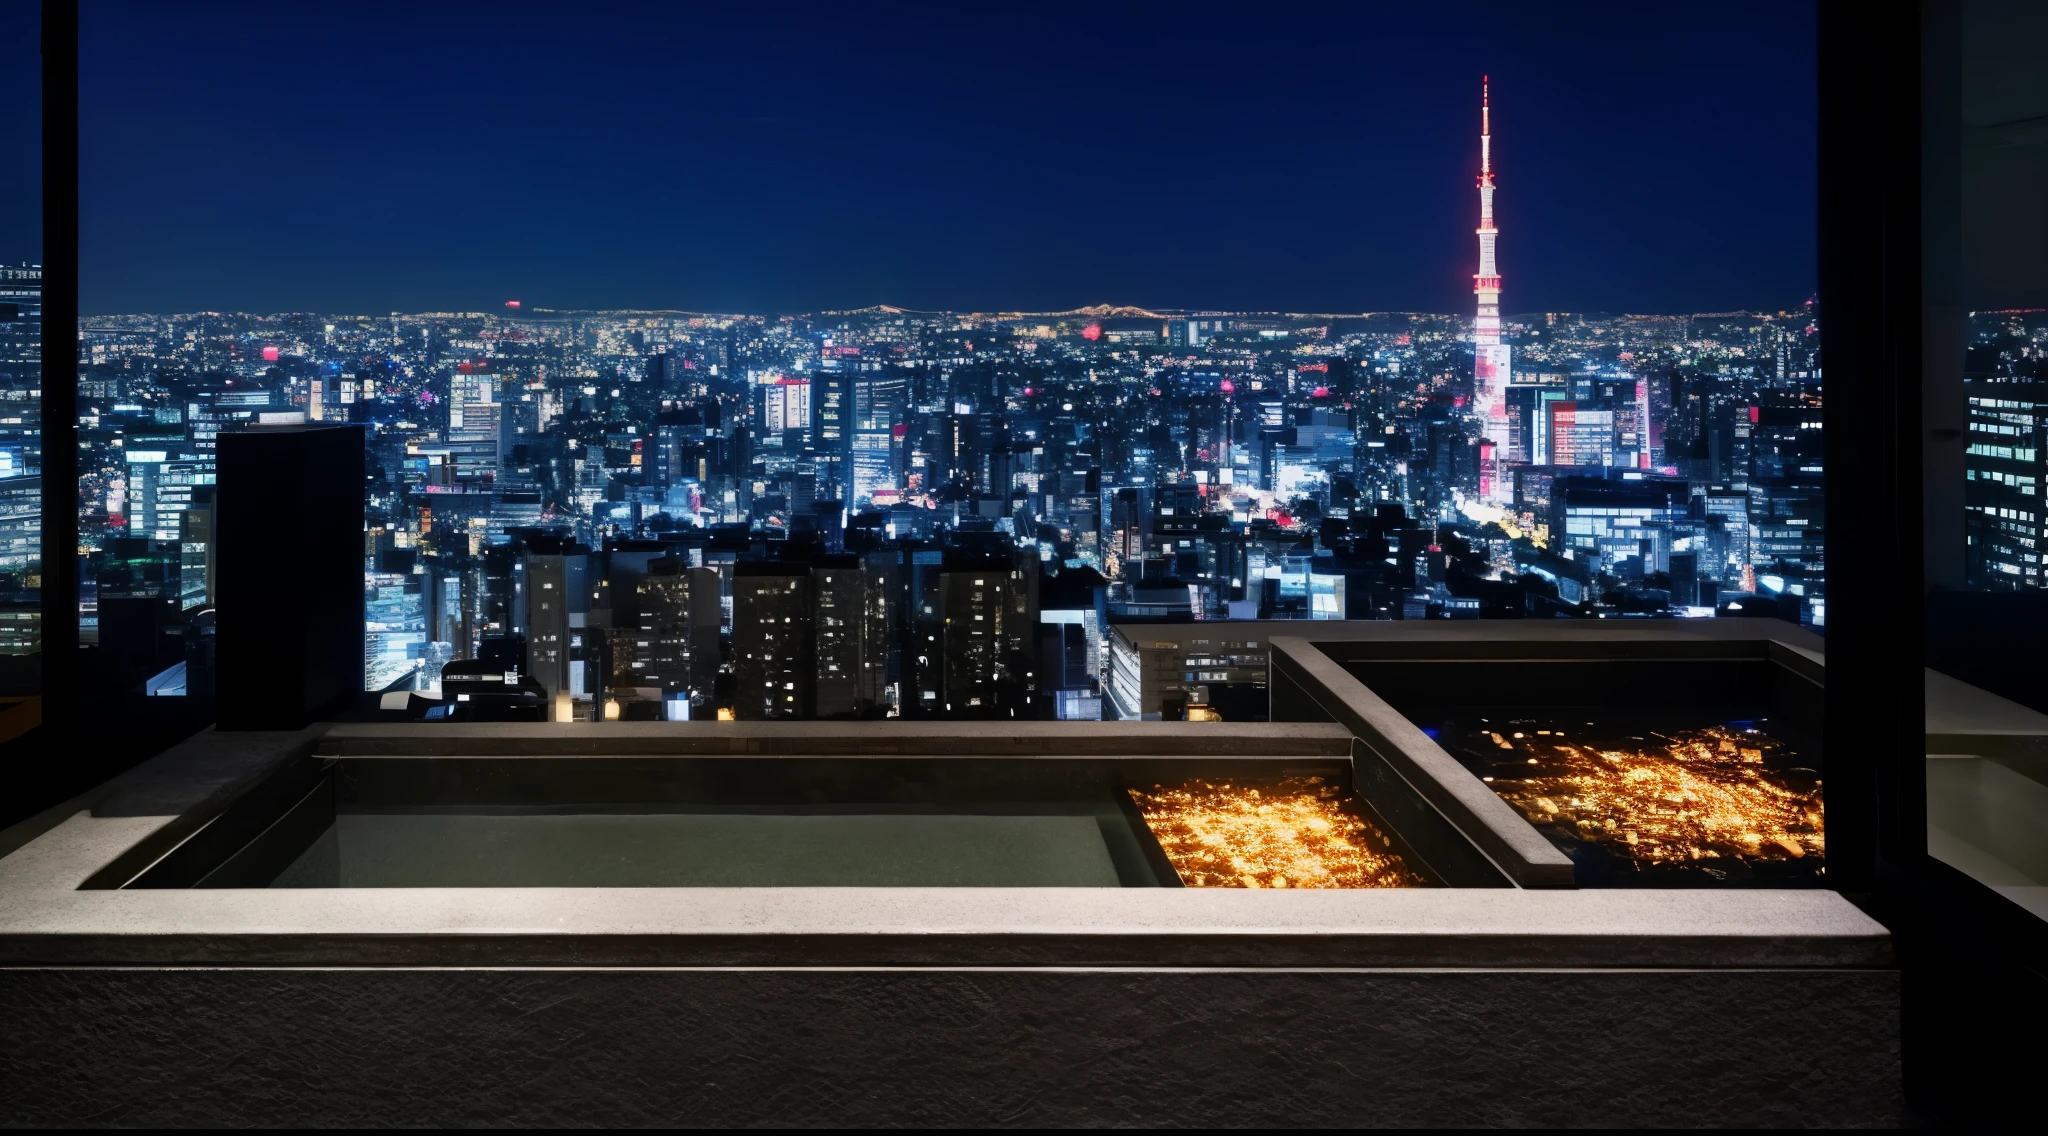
(373, 157)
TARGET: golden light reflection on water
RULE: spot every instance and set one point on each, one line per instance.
(1684, 797)
(1294, 834)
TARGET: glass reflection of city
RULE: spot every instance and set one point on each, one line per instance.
(1302, 832)
(1636, 805)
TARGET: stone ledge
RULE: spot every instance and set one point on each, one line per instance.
(836, 739)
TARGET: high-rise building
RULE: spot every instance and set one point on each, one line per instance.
(852, 609)
(991, 616)
(21, 514)
(785, 407)
(160, 486)
(195, 552)
(1787, 494)
(881, 401)
(21, 326)
(395, 636)
(832, 431)
(674, 647)
(1578, 434)
(2006, 517)
(873, 468)
(475, 422)
(21, 483)
(1624, 523)
(774, 645)
(553, 585)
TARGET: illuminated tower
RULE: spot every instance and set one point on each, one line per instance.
(1486, 283)
(1490, 356)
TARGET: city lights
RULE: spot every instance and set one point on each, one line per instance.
(1687, 797)
(879, 512)
(1294, 834)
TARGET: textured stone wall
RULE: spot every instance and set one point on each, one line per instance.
(948, 1047)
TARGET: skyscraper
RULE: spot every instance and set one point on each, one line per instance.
(21, 452)
(675, 644)
(852, 635)
(475, 421)
(774, 639)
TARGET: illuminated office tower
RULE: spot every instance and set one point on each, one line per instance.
(1788, 494)
(1128, 519)
(1578, 433)
(832, 432)
(881, 401)
(519, 425)
(318, 399)
(685, 446)
(553, 586)
(475, 421)
(1732, 509)
(875, 479)
(674, 649)
(773, 642)
(21, 447)
(2004, 510)
(1628, 524)
(785, 407)
(991, 618)
(395, 630)
(21, 516)
(21, 327)
(1527, 401)
(207, 413)
(852, 597)
(195, 552)
(1491, 358)
(160, 488)
(664, 465)
(877, 460)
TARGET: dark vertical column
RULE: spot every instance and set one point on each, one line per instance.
(1870, 308)
(1945, 329)
(60, 360)
(288, 522)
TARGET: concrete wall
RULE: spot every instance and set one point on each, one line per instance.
(703, 1047)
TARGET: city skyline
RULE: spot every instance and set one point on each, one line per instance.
(1109, 464)
(1103, 310)
(882, 510)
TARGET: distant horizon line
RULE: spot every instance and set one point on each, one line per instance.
(1101, 311)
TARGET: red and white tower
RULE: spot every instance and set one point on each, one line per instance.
(1491, 357)
(1486, 282)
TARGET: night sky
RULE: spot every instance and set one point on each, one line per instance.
(372, 157)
